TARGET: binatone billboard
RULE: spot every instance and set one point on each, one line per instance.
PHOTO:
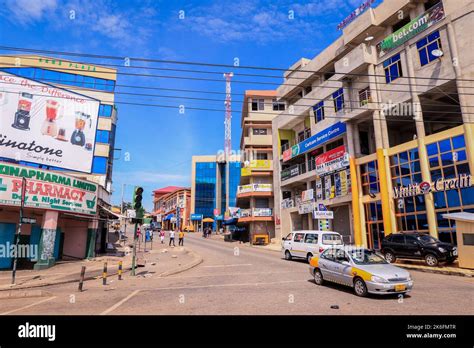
(43, 124)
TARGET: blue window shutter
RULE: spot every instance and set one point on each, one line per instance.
(99, 165)
(423, 57)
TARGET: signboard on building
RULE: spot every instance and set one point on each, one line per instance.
(290, 172)
(332, 161)
(410, 30)
(256, 164)
(196, 217)
(262, 211)
(356, 13)
(287, 203)
(323, 214)
(47, 190)
(43, 124)
(305, 208)
(318, 139)
(307, 195)
(458, 182)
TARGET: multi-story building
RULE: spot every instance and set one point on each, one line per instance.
(58, 124)
(212, 194)
(255, 192)
(166, 203)
(382, 135)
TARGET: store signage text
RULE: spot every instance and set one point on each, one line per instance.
(356, 13)
(410, 30)
(331, 161)
(318, 139)
(46, 190)
(461, 181)
(323, 214)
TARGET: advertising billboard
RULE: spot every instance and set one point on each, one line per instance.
(46, 190)
(410, 30)
(331, 161)
(43, 124)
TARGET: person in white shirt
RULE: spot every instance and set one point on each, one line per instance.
(171, 238)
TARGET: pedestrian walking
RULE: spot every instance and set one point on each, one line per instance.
(162, 236)
(181, 238)
(171, 238)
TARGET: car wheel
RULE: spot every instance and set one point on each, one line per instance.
(318, 277)
(390, 257)
(360, 288)
(309, 257)
(288, 255)
(431, 260)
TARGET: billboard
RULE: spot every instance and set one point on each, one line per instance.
(410, 30)
(332, 160)
(46, 190)
(43, 124)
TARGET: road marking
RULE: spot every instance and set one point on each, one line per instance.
(225, 285)
(121, 302)
(228, 274)
(28, 306)
(233, 265)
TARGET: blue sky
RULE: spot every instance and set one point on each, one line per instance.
(159, 141)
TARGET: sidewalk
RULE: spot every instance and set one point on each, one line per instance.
(452, 269)
(69, 271)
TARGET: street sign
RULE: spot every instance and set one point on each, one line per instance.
(131, 213)
(27, 220)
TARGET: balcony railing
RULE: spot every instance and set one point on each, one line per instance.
(293, 171)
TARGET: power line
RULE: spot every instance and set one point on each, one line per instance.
(179, 107)
(240, 101)
(253, 82)
(250, 67)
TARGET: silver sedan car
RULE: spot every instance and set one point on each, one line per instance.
(362, 269)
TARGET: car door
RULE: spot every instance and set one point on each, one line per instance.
(397, 244)
(329, 265)
(288, 242)
(344, 269)
(297, 247)
(311, 243)
(412, 247)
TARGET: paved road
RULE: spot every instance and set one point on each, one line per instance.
(233, 280)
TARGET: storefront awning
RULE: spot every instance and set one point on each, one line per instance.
(110, 214)
(229, 222)
(208, 220)
(168, 217)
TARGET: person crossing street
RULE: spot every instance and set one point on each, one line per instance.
(171, 238)
(181, 238)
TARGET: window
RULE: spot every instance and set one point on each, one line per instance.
(398, 238)
(370, 178)
(105, 110)
(426, 46)
(393, 68)
(303, 135)
(278, 106)
(364, 96)
(258, 104)
(259, 131)
(299, 237)
(311, 238)
(102, 136)
(289, 236)
(319, 111)
(332, 239)
(329, 254)
(334, 144)
(430, 3)
(400, 24)
(262, 156)
(338, 98)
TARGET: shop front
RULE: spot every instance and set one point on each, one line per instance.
(60, 217)
(425, 179)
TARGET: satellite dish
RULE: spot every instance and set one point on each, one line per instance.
(437, 53)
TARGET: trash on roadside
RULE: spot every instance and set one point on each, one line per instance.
(174, 256)
(334, 307)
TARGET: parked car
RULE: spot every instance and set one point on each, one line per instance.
(362, 269)
(306, 244)
(419, 246)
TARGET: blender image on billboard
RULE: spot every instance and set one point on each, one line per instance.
(78, 137)
(50, 126)
(22, 115)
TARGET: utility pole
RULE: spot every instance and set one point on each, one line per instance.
(228, 138)
(17, 237)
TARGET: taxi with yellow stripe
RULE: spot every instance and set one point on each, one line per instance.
(364, 270)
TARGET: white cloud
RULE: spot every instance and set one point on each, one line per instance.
(144, 177)
(27, 11)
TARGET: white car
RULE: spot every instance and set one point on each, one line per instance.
(306, 244)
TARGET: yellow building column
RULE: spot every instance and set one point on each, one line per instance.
(356, 211)
(384, 192)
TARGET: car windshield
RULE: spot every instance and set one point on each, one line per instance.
(426, 239)
(332, 239)
(366, 257)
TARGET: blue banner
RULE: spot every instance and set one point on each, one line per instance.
(196, 217)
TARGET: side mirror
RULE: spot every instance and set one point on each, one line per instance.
(284, 238)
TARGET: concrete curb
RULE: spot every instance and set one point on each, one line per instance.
(435, 270)
(14, 294)
(198, 260)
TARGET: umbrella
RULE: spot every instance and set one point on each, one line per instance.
(208, 220)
